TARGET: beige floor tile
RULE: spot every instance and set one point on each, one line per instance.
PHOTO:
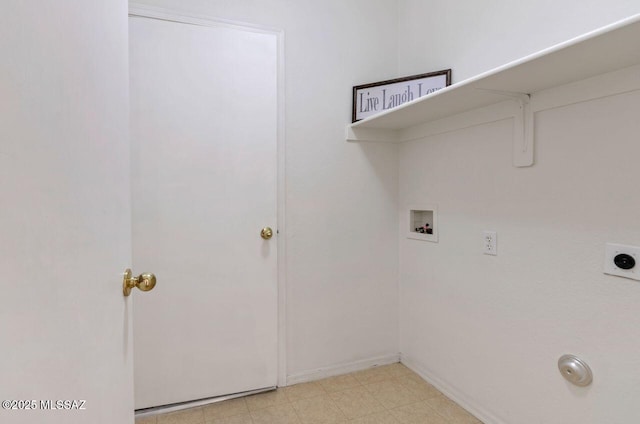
(357, 398)
(338, 383)
(304, 391)
(225, 409)
(186, 416)
(397, 369)
(279, 414)
(418, 413)
(372, 375)
(452, 411)
(465, 418)
(265, 400)
(151, 419)
(418, 386)
(356, 402)
(377, 418)
(319, 410)
(235, 419)
(391, 394)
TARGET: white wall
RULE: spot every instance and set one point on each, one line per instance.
(475, 36)
(341, 270)
(490, 329)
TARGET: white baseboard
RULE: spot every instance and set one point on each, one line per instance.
(453, 394)
(339, 369)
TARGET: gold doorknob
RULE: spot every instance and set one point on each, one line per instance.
(144, 282)
(266, 233)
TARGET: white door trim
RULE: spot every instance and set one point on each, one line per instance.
(137, 9)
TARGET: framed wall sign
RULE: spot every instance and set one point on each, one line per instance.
(370, 99)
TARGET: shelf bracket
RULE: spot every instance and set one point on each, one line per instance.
(522, 127)
(523, 134)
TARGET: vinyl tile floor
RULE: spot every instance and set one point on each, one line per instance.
(389, 394)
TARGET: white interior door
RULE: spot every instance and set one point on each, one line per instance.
(64, 213)
(204, 151)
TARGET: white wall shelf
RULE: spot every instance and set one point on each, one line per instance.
(605, 50)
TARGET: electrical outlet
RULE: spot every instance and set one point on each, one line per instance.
(622, 260)
(490, 243)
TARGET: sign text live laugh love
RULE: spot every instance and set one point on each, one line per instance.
(370, 99)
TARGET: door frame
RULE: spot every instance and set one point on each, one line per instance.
(146, 11)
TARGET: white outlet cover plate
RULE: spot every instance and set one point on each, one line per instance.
(611, 250)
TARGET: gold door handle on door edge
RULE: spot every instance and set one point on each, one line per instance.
(144, 282)
(266, 233)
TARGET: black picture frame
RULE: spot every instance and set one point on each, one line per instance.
(384, 102)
